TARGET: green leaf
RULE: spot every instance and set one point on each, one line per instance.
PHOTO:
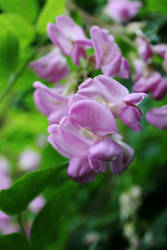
(19, 26)
(51, 9)
(47, 223)
(9, 51)
(17, 197)
(26, 8)
(14, 241)
(157, 6)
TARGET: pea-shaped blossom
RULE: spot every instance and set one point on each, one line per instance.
(108, 55)
(51, 102)
(144, 48)
(122, 10)
(161, 50)
(158, 117)
(116, 98)
(151, 82)
(69, 37)
(83, 137)
(52, 67)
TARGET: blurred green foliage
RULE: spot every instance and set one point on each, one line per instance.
(76, 216)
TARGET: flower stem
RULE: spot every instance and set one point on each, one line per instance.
(20, 222)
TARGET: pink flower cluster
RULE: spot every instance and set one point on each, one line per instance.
(83, 125)
(72, 42)
(122, 11)
(147, 79)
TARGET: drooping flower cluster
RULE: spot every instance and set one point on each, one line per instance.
(83, 124)
(147, 79)
(122, 10)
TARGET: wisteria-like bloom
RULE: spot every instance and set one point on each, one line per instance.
(37, 204)
(116, 98)
(5, 179)
(153, 82)
(108, 55)
(161, 50)
(122, 10)
(51, 102)
(52, 67)
(144, 48)
(29, 160)
(158, 117)
(69, 37)
(83, 137)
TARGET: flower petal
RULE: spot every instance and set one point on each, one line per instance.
(158, 117)
(134, 98)
(80, 171)
(131, 116)
(93, 116)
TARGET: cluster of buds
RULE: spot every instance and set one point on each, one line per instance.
(122, 11)
(148, 80)
(83, 125)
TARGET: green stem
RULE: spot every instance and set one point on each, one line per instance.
(20, 222)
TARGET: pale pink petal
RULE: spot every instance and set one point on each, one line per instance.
(80, 171)
(134, 98)
(85, 114)
(131, 116)
(158, 117)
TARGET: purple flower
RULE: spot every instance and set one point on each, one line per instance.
(69, 37)
(123, 160)
(51, 102)
(108, 55)
(144, 48)
(122, 10)
(52, 67)
(29, 160)
(160, 90)
(161, 50)
(37, 204)
(83, 137)
(116, 98)
(153, 82)
(158, 117)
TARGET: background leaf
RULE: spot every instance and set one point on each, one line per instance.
(17, 197)
(14, 242)
(27, 9)
(47, 223)
(157, 6)
(19, 26)
(51, 9)
(9, 51)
